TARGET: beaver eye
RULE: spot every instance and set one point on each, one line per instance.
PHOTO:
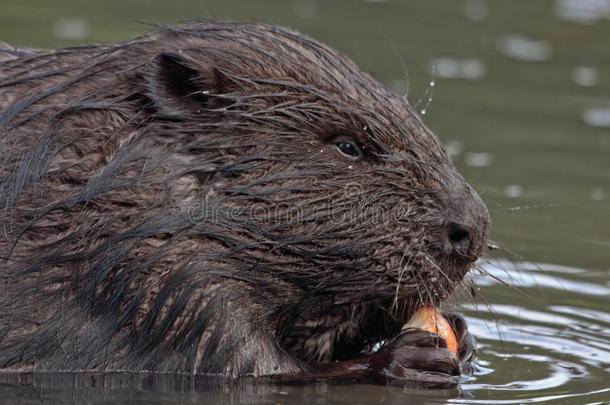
(348, 149)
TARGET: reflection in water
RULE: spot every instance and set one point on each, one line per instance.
(557, 374)
(70, 28)
(598, 194)
(525, 49)
(513, 191)
(478, 159)
(148, 388)
(454, 148)
(585, 76)
(597, 117)
(476, 10)
(540, 275)
(468, 69)
(583, 11)
(541, 339)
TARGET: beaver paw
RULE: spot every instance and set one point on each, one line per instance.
(416, 357)
(420, 358)
(467, 348)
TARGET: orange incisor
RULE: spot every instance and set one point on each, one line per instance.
(429, 319)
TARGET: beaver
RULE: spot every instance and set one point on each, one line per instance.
(224, 198)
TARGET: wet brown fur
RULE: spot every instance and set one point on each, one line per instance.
(177, 203)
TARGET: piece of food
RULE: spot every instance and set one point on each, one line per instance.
(429, 319)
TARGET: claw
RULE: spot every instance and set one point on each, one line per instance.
(466, 342)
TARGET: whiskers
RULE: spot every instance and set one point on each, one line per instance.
(501, 272)
(402, 268)
(535, 206)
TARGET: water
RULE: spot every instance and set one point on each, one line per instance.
(521, 99)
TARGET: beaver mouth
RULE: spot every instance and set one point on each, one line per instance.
(343, 322)
(350, 331)
(380, 324)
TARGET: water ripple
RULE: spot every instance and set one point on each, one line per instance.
(552, 346)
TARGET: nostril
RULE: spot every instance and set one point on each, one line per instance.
(459, 237)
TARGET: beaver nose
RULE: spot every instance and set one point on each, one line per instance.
(459, 238)
(467, 224)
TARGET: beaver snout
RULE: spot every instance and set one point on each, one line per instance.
(467, 224)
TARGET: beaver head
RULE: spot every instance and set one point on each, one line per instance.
(166, 199)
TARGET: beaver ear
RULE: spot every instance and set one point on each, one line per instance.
(177, 89)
